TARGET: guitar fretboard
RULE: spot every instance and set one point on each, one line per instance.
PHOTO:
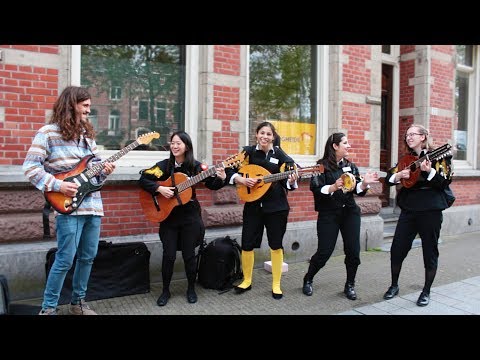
(95, 170)
(443, 150)
(197, 178)
(303, 173)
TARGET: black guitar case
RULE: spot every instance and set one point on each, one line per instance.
(118, 270)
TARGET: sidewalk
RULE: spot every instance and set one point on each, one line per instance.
(456, 289)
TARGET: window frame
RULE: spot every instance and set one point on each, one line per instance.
(473, 75)
(322, 82)
(147, 158)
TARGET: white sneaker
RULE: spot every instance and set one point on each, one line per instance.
(49, 311)
(81, 309)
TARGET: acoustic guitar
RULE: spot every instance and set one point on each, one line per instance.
(413, 163)
(265, 179)
(83, 176)
(157, 207)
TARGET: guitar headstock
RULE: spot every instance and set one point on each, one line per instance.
(311, 170)
(145, 139)
(235, 160)
(441, 152)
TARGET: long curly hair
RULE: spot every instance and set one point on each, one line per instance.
(64, 114)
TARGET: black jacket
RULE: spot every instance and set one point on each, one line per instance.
(338, 199)
(425, 195)
(275, 199)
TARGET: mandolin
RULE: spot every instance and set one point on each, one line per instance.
(413, 163)
(82, 176)
(265, 179)
(157, 207)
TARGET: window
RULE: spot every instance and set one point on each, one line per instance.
(284, 91)
(464, 102)
(115, 93)
(143, 110)
(133, 79)
(93, 118)
(113, 122)
(386, 49)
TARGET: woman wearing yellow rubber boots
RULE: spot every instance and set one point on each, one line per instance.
(269, 211)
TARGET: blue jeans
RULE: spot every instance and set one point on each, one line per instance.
(76, 234)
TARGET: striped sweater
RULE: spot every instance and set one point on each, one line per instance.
(50, 154)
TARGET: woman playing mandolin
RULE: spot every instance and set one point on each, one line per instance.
(423, 173)
(269, 211)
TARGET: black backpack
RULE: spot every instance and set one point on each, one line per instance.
(219, 264)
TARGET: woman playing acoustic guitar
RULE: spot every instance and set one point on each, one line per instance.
(422, 201)
(269, 211)
(183, 228)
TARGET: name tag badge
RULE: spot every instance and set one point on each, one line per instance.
(273, 160)
(346, 169)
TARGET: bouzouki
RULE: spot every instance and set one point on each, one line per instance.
(157, 207)
(265, 179)
(83, 176)
(413, 163)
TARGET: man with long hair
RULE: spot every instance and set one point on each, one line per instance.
(58, 147)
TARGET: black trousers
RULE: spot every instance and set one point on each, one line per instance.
(186, 236)
(254, 220)
(410, 223)
(329, 223)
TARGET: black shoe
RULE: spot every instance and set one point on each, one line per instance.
(349, 291)
(307, 287)
(192, 296)
(277, 296)
(391, 292)
(239, 290)
(423, 299)
(163, 299)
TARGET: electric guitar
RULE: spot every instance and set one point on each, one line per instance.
(265, 179)
(157, 207)
(413, 163)
(82, 176)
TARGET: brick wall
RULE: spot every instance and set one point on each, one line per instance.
(227, 59)
(26, 94)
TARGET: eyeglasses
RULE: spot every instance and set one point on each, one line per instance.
(411, 135)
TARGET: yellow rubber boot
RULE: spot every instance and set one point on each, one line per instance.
(277, 262)
(247, 269)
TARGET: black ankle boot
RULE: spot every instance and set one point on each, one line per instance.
(191, 295)
(350, 291)
(307, 286)
(163, 299)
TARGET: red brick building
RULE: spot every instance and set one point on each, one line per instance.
(370, 92)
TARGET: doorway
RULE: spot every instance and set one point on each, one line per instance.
(386, 128)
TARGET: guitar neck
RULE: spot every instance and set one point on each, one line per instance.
(277, 176)
(197, 178)
(433, 155)
(95, 170)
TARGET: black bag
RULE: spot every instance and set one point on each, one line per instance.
(449, 196)
(118, 270)
(4, 296)
(220, 264)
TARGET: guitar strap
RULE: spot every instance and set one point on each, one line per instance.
(173, 184)
(46, 221)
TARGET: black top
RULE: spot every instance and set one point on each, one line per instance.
(338, 199)
(425, 195)
(275, 199)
